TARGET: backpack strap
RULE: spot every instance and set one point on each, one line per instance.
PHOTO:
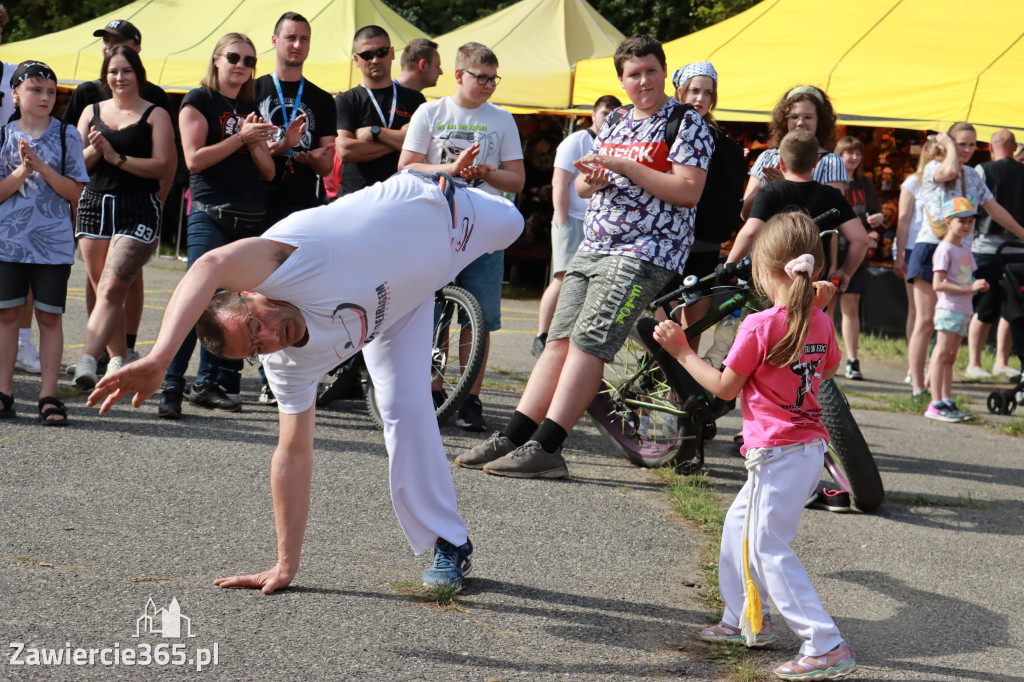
(675, 119)
(63, 148)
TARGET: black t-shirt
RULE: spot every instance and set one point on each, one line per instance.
(298, 187)
(355, 110)
(90, 92)
(236, 179)
(815, 198)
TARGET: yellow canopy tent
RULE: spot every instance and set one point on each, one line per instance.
(178, 37)
(918, 64)
(537, 43)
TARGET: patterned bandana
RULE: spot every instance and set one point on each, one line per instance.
(685, 73)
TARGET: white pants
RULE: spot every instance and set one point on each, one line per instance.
(398, 360)
(783, 486)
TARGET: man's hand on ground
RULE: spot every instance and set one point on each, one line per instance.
(142, 377)
(267, 582)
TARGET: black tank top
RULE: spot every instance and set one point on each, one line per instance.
(133, 140)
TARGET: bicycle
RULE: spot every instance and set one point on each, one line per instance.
(456, 359)
(656, 414)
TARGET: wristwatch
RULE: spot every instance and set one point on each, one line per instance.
(121, 158)
(375, 131)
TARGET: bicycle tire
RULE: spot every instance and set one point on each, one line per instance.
(452, 305)
(849, 459)
(665, 438)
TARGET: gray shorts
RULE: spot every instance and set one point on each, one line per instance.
(565, 239)
(601, 298)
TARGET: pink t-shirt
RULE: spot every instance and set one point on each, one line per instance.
(780, 404)
(958, 264)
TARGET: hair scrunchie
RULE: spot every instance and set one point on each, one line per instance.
(804, 263)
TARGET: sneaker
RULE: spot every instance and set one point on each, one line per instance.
(835, 664)
(450, 566)
(131, 357)
(539, 342)
(495, 447)
(853, 369)
(267, 396)
(85, 373)
(28, 358)
(170, 404)
(940, 413)
(529, 460)
(908, 380)
(235, 395)
(1002, 370)
(471, 414)
(959, 414)
(727, 634)
(116, 363)
(976, 373)
(213, 397)
(830, 499)
(101, 363)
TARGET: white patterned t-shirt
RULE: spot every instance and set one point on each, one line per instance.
(624, 219)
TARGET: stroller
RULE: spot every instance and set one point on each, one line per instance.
(1006, 401)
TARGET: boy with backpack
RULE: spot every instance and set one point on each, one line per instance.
(638, 228)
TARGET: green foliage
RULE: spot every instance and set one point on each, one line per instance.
(31, 18)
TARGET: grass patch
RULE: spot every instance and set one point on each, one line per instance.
(960, 502)
(444, 596)
(1014, 428)
(742, 663)
(520, 292)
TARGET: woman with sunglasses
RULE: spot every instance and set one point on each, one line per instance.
(805, 107)
(225, 146)
(129, 147)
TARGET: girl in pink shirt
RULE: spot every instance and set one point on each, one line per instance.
(779, 359)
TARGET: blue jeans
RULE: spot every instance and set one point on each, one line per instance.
(203, 236)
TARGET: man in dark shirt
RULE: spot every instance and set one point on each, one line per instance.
(122, 32)
(304, 148)
(798, 153)
(372, 116)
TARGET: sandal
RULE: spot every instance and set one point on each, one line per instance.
(7, 405)
(722, 634)
(56, 409)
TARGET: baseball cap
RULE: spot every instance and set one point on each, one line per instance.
(958, 207)
(122, 29)
(31, 69)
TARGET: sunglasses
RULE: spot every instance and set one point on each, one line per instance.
(484, 81)
(379, 53)
(233, 58)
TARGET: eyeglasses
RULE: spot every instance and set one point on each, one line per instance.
(806, 118)
(234, 57)
(379, 53)
(484, 81)
(255, 326)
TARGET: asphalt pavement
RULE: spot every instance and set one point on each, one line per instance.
(590, 578)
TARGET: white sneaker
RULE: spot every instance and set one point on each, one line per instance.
(28, 358)
(977, 373)
(85, 373)
(1004, 370)
(116, 363)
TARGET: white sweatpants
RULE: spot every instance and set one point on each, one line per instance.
(783, 487)
(398, 360)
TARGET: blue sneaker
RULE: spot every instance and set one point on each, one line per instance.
(451, 564)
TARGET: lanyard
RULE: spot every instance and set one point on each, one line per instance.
(394, 104)
(288, 118)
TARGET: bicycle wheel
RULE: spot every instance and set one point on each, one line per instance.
(639, 406)
(458, 352)
(848, 459)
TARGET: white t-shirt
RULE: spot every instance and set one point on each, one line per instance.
(913, 185)
(6, 99)
(934, 195)
(573, 148)
(358, 269)
(442, 130)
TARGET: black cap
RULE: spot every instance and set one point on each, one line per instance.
(31, 69)
(122, 29)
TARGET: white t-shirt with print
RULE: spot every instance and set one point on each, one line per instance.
(829, 167)
(624, 219)
(359, 268)
(573, 148)
(442, 130)
(933, 195)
